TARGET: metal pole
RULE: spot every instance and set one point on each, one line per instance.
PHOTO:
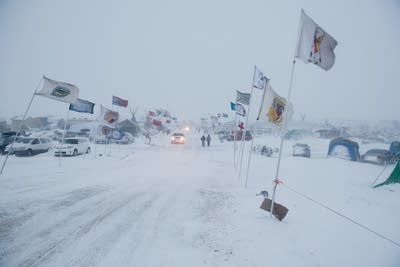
(252, 139)
(234, 141)
(282, 138)
(244, 134)
(19, 130)
(62, 138)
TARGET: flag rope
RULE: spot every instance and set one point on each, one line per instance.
(340, 215)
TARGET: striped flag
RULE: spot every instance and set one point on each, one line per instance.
(82, 106)
(119, 101)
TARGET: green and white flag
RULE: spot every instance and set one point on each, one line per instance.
(60, 91)
(315, 45)
(243, 98)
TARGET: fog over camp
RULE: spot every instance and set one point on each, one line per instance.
(204, 133)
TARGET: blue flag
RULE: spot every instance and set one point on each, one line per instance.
(82, 106)
(233, 106)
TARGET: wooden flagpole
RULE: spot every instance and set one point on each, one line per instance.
(20, 127)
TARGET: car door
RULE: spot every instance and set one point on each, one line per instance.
(35, 145)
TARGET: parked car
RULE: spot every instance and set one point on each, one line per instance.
(301, 150)
(239, 135)
(29, 146)
(395, 151)
(72, 147)
(377, 156)
(6, 138)
(178, 138)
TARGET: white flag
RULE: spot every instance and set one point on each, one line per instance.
(274, 108)
(315, 45)
(61, 91)
(108, 116)
(259, 79)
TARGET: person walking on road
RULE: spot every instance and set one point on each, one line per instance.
(203, 140)
(208, 139)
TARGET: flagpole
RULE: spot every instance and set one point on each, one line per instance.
(276, 181)
(244, 134)
(234, 140)
(20, 127)
(62, 138)
(252, 139)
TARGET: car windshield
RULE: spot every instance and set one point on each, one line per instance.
(24, 140)
(71, 141)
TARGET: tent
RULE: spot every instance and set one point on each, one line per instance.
(394, 178)
(344, 148)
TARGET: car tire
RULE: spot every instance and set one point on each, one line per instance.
(29, 152)
(88, 150)
(75, 152)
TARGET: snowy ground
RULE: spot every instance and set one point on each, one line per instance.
(173, 205)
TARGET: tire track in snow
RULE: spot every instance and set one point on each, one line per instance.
(55, 237)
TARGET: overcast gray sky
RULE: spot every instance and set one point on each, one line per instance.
(191, 56)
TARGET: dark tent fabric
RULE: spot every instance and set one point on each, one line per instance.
(279, 212)
(350, 150)
(394, 178)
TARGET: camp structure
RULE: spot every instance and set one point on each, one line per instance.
(344, 149)
(394, 178)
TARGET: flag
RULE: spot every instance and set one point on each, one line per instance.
(108, 115)
(61, 91)
(240, 110)
(315, 45)
(233, 106)
(274, 108)
(157, 122)
(224, 115)
(259, 79)
(82, 106)
(152, 113)
(243, 98)
(119, 102)
(241, 126)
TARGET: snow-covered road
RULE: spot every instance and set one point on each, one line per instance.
(117, 210)
(174, 205)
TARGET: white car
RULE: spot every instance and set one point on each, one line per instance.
(29, 146)
(72, 146)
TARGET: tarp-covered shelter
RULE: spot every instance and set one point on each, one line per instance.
(394, 178)
(344, 148)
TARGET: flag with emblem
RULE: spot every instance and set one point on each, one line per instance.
(259, 79)
(60, 91)
(274, 108)
(240, 110)
(108, 116)
(315, 45)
